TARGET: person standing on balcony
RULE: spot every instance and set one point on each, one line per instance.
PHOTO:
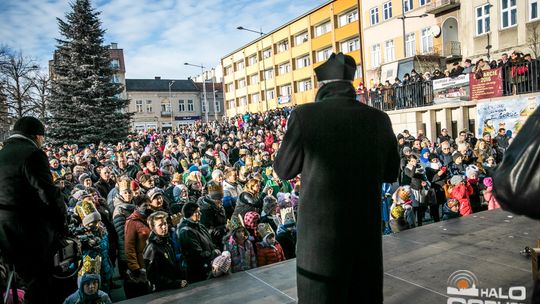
(469, 67)
(456, 70)
(316, 133)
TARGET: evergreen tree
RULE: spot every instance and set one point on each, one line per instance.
(85, 105)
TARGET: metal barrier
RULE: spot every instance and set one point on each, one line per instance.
(521, 78)
(418, 94)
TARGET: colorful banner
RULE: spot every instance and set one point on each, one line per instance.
(510, 114)
(451, 89)
(489, 86)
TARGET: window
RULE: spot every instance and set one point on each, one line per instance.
(482, 19)
(348, 17)
(269, 94)
(323, 28)
(533, 9)
(231, 104)
(324, 54)
(242, 101)
(138, 105)
(508, 13)
(303, 85)
(181, 105)
(376, 55)
(424, 2)
(115, 64)
(302, 62)
(229, 87)
(241, 83)
(252, 59)
(190, 105)
(253, 79)
(165, 107)
(228, 70)
(427, 41)
(282, 46)
(408, 5)
(350, 45)
(268, 74)
(389, 54)
(284, 68)
(285, 90)
(374, 15)
(217, 107)
(358, 73)
(387, 10)
(410, 45)
(115, 79)
(267, 53)
(254, 98)
(240, 65)
(301, 38)
(149, 106)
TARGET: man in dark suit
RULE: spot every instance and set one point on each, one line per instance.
(32, 210)
(339, 213)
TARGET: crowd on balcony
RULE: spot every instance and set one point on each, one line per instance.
(520, 74)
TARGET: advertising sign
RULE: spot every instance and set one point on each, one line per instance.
(451, 89)
(510, 114)
(489, 86)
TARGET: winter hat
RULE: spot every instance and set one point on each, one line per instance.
(29, 125)
(193, 168)
(83, 177)
(189, 209)
(337, 67)
(152, 193)
(456, 179)
(407, 150)
(251, 220)
(433, 156)
(215, 190)
(457, 155)
(134, 186)
(166, 162)
(87, 212)
(79, 194)
(269, 204)
(472, 169)
(488, 182)
(284, 199)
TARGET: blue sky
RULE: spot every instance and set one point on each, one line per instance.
(157, 36)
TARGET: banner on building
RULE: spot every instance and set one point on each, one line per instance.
(489, 86)
(284, 99)
(510, 114)
(451, 89)
(182, 118)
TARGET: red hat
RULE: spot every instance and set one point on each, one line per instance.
(134, 186)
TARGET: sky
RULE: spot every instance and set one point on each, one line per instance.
(157, 36)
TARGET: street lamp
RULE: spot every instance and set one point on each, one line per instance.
(264, 68)
(204, 87)
(403, 17)
(214, 90)
(170, 104)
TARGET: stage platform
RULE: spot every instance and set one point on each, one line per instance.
(417, 265)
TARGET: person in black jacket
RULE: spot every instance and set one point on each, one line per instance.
(251, 199)
(196, 243)
(32, 210)
(159, 258)
(213, 215)
(319, 135)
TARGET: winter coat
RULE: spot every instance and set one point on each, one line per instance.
(286, 236)
(137, 232)
(462, 193)
(122, 211)
(230, 196)
(160, 262)
(79, 297)
(214, 219)
(285, 186)
(269, 254)
(490, 199)
(448, 213)
(247, 202)
(242, 257)
(104, 187)
(197, 248)
(318, 134)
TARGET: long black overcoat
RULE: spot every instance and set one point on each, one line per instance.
(343, 150)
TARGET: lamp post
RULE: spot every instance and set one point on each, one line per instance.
(264, 68)
(170, 104)
(403, 17)
(214, 90)
(204, 87)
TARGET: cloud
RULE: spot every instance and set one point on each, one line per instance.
(157, 36)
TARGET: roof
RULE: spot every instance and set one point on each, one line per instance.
(279, 28)
(217, 85)
(160, 85)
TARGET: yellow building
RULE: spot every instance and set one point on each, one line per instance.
(277, 69)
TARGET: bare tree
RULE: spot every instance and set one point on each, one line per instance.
(534, 39)
(16, 74)
(41, 94)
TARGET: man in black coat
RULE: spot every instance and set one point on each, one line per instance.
(339, 213)
(32, 210)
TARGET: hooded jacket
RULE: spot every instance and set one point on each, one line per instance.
(269, 254)
(161, 267)
(79, 297)
(137, 232)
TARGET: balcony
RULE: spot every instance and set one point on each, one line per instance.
(166, 113)
(452, 49)
(437, 7)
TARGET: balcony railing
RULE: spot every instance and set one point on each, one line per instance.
(452, 49)
(439, 6)
(166, 113)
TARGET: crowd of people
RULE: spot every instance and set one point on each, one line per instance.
(519, 74)
(171, 208)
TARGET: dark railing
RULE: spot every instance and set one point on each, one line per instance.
(417, 94)
(452, 48)
(521, 78)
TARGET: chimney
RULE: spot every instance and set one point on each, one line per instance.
(114, 45)
(157, 77)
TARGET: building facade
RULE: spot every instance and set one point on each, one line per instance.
(214, 100)
(276, 70)
(162, 104)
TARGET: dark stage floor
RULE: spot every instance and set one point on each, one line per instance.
(417, 265)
